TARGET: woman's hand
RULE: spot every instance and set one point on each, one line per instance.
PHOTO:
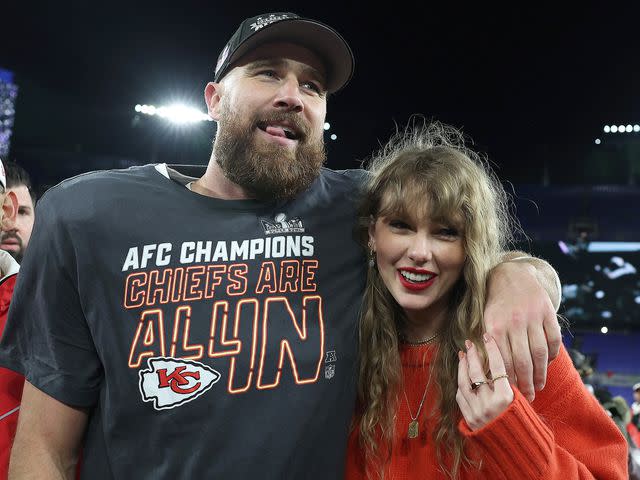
(482, 399)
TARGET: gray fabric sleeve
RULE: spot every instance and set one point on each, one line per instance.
(47, 338)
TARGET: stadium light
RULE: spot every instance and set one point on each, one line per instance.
(177, 113)
(613, 247)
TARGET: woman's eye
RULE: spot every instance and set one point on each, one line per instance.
(399, 224)
(448, 232)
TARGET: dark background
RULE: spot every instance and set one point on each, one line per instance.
(532, 84)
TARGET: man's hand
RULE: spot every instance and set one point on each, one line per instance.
(520, 316)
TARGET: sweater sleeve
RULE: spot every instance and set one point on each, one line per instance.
(564, 434)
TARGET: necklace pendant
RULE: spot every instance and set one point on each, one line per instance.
(413, 429)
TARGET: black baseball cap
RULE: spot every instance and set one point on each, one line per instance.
(289, 27)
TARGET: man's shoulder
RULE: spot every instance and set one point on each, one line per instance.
(349, 182)
(354, 176)
(95, 192)
(88, 187)
(98, 178)
(333, 186)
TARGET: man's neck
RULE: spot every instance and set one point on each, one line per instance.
(215, 184)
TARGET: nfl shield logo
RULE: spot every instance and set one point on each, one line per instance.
(329, 371)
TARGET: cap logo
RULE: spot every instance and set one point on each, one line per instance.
(263, 22)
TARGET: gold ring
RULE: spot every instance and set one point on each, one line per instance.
(504, 375)
(476, 385)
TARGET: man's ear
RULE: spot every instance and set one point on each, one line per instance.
(9, 210)
(212, 96)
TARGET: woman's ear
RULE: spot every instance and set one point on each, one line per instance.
(372, 233)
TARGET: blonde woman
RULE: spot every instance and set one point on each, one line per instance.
(434, 397)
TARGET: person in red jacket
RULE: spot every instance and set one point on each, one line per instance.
(435, 400)
(10, 382)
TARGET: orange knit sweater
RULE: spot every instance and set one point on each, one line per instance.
(564, 434)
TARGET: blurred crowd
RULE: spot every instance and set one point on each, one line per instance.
(626, 417)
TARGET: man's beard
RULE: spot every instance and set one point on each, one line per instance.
(17, 254)
(267, 171)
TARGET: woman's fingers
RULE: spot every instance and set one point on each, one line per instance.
(463, 387)
(480, 399)
(501, 386)
(477, 378)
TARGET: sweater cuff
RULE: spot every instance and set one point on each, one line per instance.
(517, 442)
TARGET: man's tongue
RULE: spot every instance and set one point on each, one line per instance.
(275, 131)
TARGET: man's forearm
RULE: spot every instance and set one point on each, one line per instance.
(544, 272)
(30, 461)
(48, 439)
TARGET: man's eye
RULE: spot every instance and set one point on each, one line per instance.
(268, 73)
(313, 86)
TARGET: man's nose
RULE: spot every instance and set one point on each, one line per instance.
(288, 96)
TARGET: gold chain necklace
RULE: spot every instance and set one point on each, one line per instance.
(426, 341)
(413, 430)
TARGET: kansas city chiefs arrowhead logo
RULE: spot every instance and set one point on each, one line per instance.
(171, 382)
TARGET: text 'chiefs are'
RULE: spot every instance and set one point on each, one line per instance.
(189, 284)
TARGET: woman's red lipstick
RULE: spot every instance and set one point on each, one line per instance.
(412, 285)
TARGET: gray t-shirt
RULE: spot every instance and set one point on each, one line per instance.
(208, 338)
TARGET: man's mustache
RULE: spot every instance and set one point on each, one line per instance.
(7, 235)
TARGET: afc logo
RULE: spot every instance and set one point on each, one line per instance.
(170, 382)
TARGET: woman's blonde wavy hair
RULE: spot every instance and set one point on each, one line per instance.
(427, 169)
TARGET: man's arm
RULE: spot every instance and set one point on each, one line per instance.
(545, 273)
(522, 298)
(48, 439)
